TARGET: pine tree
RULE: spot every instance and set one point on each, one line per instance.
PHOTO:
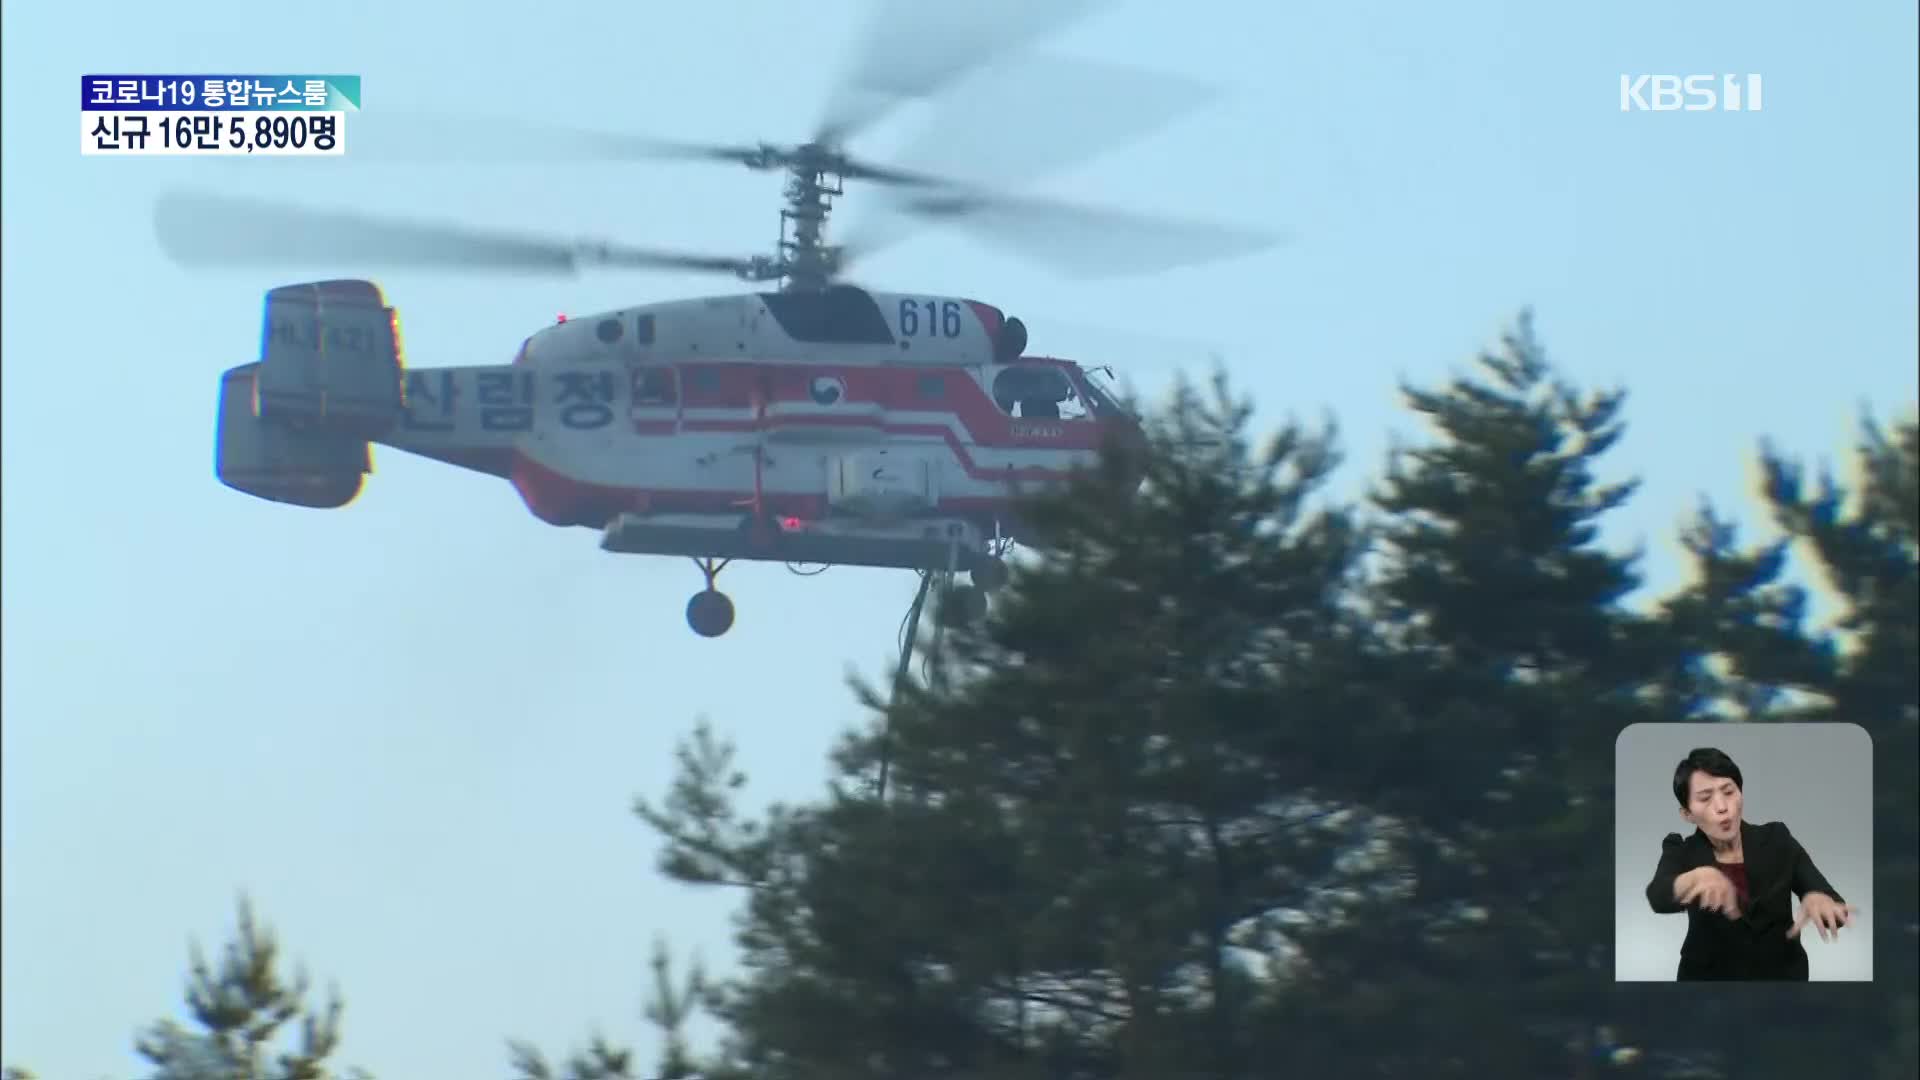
(1750, 655)
(1745, 650)
(241, 1009)
(1866, 544)
(1517, 666)
(1101, 810)
(673, 1003)
(601, 1060)
(1199, 796)
(669, 1007)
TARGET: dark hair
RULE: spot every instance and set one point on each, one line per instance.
(1706, 760)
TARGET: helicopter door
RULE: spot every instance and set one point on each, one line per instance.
(656, 400)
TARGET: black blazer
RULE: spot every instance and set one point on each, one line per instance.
(1754, 946)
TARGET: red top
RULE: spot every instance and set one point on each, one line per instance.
(1737, 873)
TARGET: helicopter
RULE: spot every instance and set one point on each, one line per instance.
(816, 422)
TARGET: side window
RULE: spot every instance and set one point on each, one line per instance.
(721, 386)
(643, 330)
(653, 386)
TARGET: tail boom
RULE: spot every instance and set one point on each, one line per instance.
(294, 426)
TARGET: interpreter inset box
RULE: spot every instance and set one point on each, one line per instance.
(1743, 852)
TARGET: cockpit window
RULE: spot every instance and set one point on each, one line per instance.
(1036, 391)
(1099, 397)
(838, 315)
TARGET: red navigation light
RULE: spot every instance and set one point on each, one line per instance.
(560, 318)
(790, 523)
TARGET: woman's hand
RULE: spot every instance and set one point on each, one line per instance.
(1826, 914)
(1711, 890)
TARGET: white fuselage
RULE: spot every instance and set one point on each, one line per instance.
(883, 406)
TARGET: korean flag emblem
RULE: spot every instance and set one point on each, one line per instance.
(827, 390)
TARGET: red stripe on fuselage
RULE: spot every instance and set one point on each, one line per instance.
(558, 499)
(926, 431)
(894, 389)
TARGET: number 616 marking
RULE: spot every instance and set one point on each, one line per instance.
(942, 318)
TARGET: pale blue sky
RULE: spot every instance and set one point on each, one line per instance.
(412, 729)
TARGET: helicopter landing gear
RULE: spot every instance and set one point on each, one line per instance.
(710, 612)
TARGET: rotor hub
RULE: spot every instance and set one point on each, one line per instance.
(814, 175)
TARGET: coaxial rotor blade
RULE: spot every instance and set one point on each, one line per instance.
(855, 169)
(211, 230)
(1031, 117)
(1083, 241)
(403, 137)
(465, 138)
(988, 131)
(914, 49)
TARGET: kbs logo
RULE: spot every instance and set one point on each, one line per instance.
(1689, 93)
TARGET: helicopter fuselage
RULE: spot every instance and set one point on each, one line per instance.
(834, 427)
(834, 415)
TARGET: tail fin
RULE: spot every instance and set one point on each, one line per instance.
(294, 426)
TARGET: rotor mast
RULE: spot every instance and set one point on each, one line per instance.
(808, 262)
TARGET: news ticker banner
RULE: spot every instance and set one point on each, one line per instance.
(282, 115)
